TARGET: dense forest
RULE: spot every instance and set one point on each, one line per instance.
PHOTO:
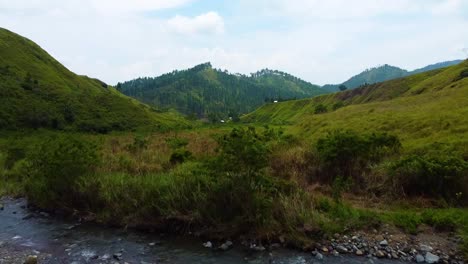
(205, 92)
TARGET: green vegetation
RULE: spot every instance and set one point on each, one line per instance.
(205, 92)
(36, 91)
(400, 140)
(421, 109)
(383, 73)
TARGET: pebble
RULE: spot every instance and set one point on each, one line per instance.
(208, 244)
(118, 256)
(226, 246)
(324, 249)
(431, 258)
(383, 243)
(319, 256)
(359, 252)
(341, 249)
(420, 258)
(379, 254)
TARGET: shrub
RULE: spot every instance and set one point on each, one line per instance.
(54, 167)
(320, 109)
(347, 153)
(180, 156)
(438, 176)
(139, 144)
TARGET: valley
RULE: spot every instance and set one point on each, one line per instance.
(291, 176)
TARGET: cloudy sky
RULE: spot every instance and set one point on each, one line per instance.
(321, 41)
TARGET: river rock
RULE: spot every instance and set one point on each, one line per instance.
(383, 243)
(379, 254)
(31, 260)
(359, 252)
(419, 258)
(324, 249)
(319, 256)
(341, 249)
(2, 207)
(225, 246)
(208, 244)
(431, 258)
(118, 256)
(425, 248)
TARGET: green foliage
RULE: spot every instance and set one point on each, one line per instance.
(215, 94)
(139, 144)
(338, 105)
(342, 87)
(36, 91)
(320, 109)
(180, 156)
(442, 175)
(55, 166)
(347, 153)
(180, 153)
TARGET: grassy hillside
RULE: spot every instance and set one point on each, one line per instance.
(207, 92)
(385, 73)
(421, 109)
(36, 91)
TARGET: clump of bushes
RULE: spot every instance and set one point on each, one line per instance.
(441, 175)
(54, 167)
(180, 154)
(348, 154)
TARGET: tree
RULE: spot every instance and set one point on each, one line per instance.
(320, 109)
(343, 87)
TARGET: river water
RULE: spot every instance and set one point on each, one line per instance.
(69, 242)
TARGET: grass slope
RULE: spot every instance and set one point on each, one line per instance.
(36, 91)
(421, 109)
(385, 73)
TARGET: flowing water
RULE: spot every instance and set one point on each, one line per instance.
(69, 242)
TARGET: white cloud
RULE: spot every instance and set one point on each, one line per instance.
(126, 6)
(319, 41)
(208, 23)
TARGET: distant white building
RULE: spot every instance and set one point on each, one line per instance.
(275, 101)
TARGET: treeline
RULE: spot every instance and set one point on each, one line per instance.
(206, 92)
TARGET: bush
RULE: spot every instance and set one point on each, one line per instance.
(438, 176)
(320, 109)
(347, 153)
(55, 165)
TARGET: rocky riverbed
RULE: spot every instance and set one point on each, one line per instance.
(36, 237)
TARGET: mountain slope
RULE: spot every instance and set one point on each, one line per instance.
(385, 73)
(36, 91)
(205, 91)
(422, 109)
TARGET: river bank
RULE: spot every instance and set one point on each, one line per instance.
(26, 233)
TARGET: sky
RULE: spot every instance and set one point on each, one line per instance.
(321, 41)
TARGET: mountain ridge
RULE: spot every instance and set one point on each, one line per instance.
(383, 73)
(208, 92)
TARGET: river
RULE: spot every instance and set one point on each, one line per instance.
(70, 242)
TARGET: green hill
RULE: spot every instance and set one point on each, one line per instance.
(36, 91)
(207, 92)
(385, 73)
(422, 109)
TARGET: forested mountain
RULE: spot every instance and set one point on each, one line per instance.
(203, 91)
(36, 91)
(384, 73)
